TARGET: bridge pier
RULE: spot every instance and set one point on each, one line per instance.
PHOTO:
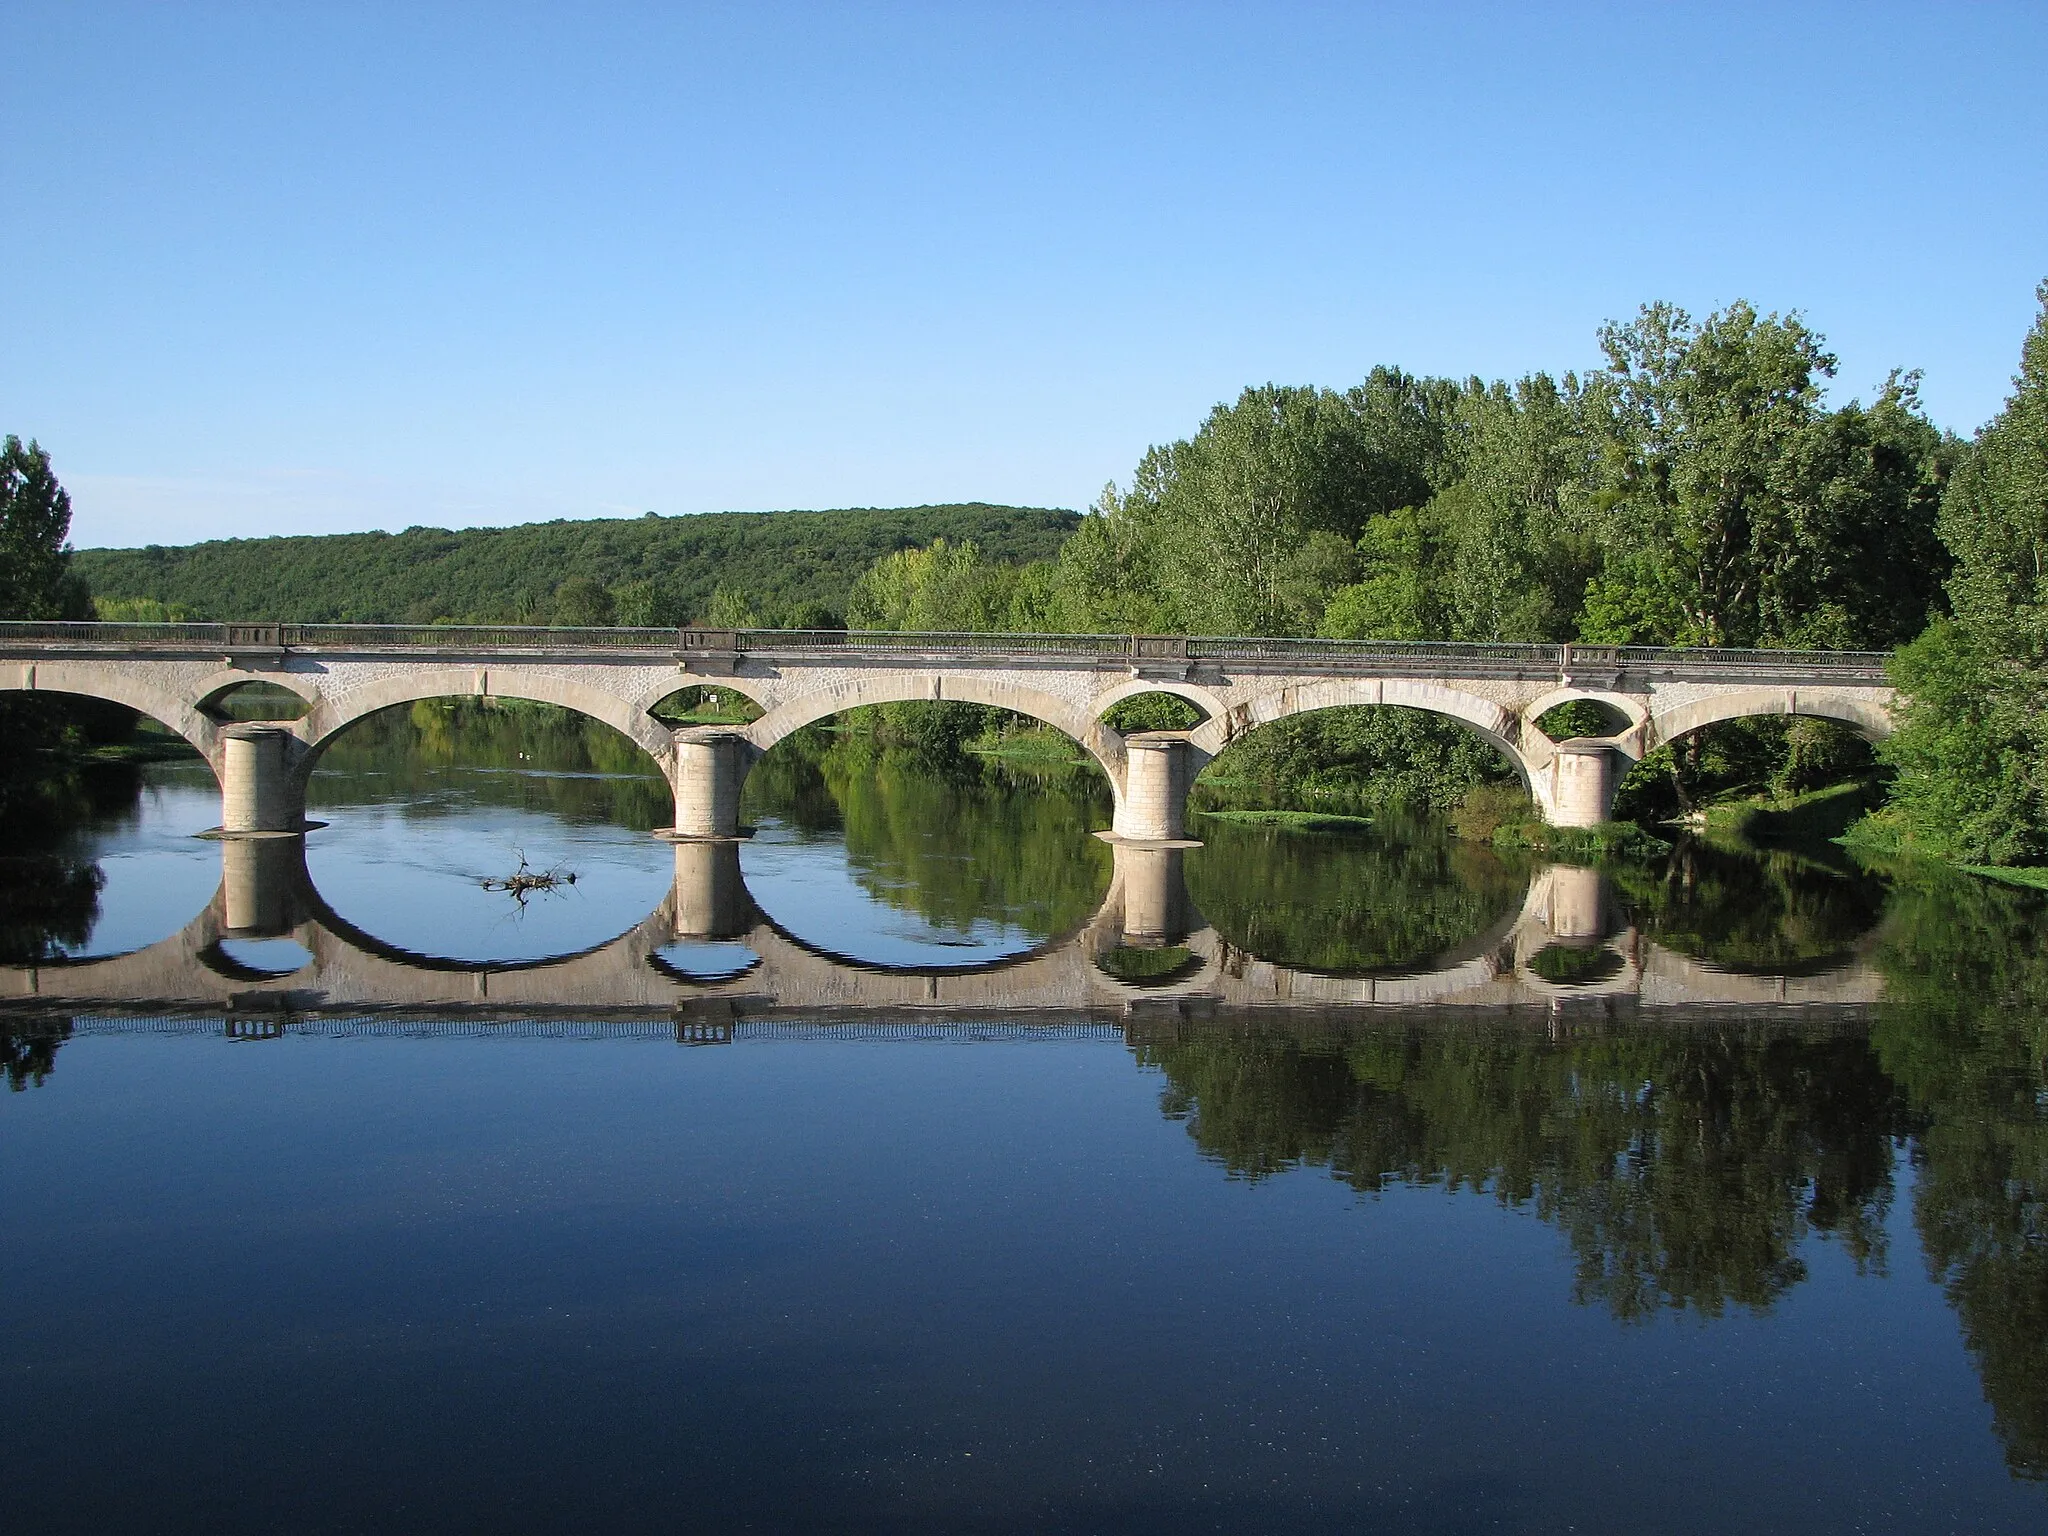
(711, 770)
(711, 900)
(1577, 789)
(257, 794)
(1153, 808)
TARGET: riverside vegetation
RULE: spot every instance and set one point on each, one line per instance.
(1694, 487)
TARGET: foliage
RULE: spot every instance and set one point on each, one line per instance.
(1291, 821)
(956, 844)
(1359, 758)
(1777, 913)
(48, 905)
(1738, 511)
(1598, 844)
(790, 567)
(594, 773)
(36, 578)
(1972, 749)
(37, 581)
(28, 1049)
(1817, 817)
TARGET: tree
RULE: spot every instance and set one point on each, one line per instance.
(944, 586)
(1698, 422)
(1972, 748)
(35, 520)
(581, 601)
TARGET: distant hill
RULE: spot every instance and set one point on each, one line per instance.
(785, 566)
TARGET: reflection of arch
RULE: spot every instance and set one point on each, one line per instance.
(1074, 720)
(1871, 721)
(116, 686)
(351, 969)
(1494, 723)
(331, 716)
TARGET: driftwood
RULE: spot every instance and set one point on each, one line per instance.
(525, 880)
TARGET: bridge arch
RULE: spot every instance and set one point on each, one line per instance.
(333, 714)
(1074, 720)
(1205, 699)
(115, 685)
(1869, 719)
(209, 691)
(1538, 742)
(1493, 723)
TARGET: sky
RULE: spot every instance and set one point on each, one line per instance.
(304, 269)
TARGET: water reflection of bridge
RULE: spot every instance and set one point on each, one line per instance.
(1146, 950)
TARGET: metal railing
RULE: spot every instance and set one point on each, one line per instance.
(230, 639)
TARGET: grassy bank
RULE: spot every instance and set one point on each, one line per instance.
(1879, 838)
(1291, 821)
(1819, 816)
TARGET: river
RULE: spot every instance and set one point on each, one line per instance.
(924, 1163)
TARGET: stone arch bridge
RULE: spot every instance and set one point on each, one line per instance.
(179, 673)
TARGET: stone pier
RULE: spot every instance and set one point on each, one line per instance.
(257, 792)
(710, 771)
(1577, 789)
(1156, 779)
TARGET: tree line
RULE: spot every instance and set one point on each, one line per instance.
(779, 569)
(1694, 488)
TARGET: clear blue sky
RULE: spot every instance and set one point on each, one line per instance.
(284, 268)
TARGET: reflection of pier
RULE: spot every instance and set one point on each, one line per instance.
(1146, 949)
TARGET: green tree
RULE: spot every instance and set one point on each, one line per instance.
(36, 582)
(581, 601)
(943, 587)
(35, 520)
(1736, 509)
(730, 609)
(1972, 748)
(636, 604)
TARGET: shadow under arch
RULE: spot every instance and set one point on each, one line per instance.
(87, 680)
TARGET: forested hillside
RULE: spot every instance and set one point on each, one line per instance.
(731, 567)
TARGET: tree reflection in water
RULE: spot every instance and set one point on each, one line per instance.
(1686, 1167)
(1964, 1032)
(1379, 900)
(954, 841)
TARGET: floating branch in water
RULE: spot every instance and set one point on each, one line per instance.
(526, 879)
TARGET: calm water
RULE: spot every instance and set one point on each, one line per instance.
(924, 1164)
